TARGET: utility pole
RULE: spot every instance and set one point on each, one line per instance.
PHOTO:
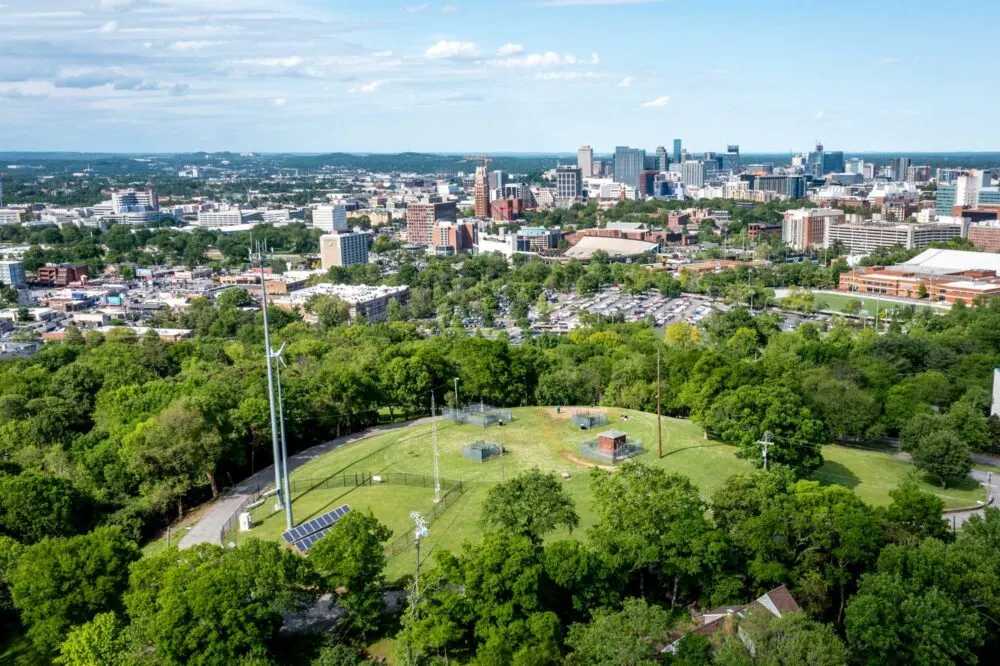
(456, 394)
(659, 426)
(278, 362)
(270, 381)
(434, 443)
(766, 443)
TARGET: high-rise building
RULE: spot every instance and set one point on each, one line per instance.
(793, 187)
(821, 162)
(833, 162)
(343, 249)
(497, 180)
(454, 237)
(647, 182)
(481, 192)
(421, 216)
(677, 151)
(730, 161)
(662, 160)
(628, 163)
(585, 161)
(804, 228)
(569, 185)
(899, 165)
(330, 218)
(12, 274)
(693, 173)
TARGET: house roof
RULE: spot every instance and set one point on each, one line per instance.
(778, 602)
(614, 434)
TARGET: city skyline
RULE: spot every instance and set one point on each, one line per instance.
(244, 75)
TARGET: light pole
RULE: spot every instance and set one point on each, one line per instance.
(270, 381)
(278, 362)
(456, 394)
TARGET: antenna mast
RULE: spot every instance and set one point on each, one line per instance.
(434, 442)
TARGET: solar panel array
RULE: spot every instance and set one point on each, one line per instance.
(305, 536)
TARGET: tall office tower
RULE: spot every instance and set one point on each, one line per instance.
(330, 218)
(833, 162)
(730, 161)
(420, 219)
(662, 161)
(899, 166)
(693, 173)
(684, 155)
(343, 249)
(497, 180)
(677, 151)
(585, 161)
(481, 190)
(569, 185)
(628, 163)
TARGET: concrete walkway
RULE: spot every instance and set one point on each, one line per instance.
(222, 514)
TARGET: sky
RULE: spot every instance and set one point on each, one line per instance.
(497, 76)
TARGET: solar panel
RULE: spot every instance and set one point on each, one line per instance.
(316, 527)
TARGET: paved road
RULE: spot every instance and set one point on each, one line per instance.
(957, 518)
(209, 528)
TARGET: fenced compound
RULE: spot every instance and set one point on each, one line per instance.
(355, 479)
(588, 419)
(482, 450)
(479, 414)
(612, 446)
(405, 541)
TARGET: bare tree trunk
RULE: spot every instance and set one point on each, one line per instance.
(840, 610)
(211, 482)
(673, 595)
(180, 508)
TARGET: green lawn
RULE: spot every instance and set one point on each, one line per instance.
(540, 438)
(839, 302)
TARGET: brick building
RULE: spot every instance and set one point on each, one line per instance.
(421, 216)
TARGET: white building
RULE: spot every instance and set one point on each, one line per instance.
(227, 217)
(367, 302)
(503, 243)
(343, 249)
(10, 216)
(330, 218)
(585, 161)
(868, 237)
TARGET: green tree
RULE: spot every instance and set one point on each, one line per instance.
(531, 504)
(105, 640)
(944, 456)
(330, 311)
(649, 520)
(629, 637)
(351, 556)
(213, 605)
(914, 515)
(792, 640)
(234, 297)
(34, 506)
(59, 583)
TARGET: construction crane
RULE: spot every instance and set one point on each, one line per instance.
(485, 159)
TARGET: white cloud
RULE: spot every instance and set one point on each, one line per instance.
(510, 49)
(626, 82)
(116, 4)
(570, 76)
(451, 49)
(449, 9)
(280, 101)
(382, 54)
(283, 63)
(188, 45)
(415, 9)
(368, 88)
(594, 58)
(657, 103)
(109, 27)
(820, 114)
(547, 59)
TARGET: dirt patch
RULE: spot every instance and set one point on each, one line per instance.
(586, 463)
(562, 415)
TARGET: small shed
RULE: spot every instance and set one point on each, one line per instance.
(612, 441)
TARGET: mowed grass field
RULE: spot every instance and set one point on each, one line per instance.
(839, 303)
(538, 437)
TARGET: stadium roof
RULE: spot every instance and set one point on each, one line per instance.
(952, 261)
(615, 247)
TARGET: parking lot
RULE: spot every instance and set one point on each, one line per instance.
(611, 303)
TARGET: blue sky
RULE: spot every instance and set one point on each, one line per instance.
(484, 75)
